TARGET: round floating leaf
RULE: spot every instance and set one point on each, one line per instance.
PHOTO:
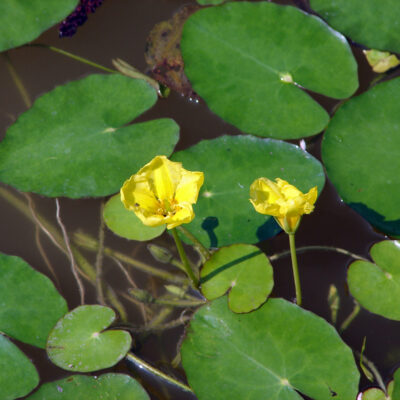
(370, 22)
(377, 286)
(78, 343)
(396, 385)
(126, 224)
(210, 2)
(30, 305)
(18, 376)
(224, 214)
(249, 67)
(242, 269)
(23, 21)
(374, 394)
(361, 152)
(107, 386)
(75, 140)
(273, 352)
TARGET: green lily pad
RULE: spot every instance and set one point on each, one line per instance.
(23, 21)
(75, 141)
(369, 22)
(210, 2)
(375, 394)
(30, 304)
(224, 214)
(396, 385)
(107, 386)
(376, 286)
(250, 68)
(78, 343)
(18, 376)
(273, 352)
(361, 153)
(242, 269)
(126, 224)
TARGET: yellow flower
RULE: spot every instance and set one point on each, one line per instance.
(162, 192)
(283, 201)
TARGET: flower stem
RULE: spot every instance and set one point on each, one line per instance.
(295, 268)
(185, 261)
(200, 247)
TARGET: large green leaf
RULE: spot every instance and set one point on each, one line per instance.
(126, 224)
(249, 61)
(361, 152)
(18, 376)
(107, 387)
(376, 286)
(22, 21)
(242, 269)
(374, 23)
(224, 214)
(76, 141)
(396, 388)
(30, 305)
(79, 343)
(210, 2)
(271, 353)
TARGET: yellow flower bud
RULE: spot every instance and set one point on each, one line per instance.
(162, 192)
(283, 201)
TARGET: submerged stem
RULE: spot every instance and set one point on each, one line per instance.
(185, 261)
(350, 318)
(74, 57)
(295, 268)
(132, 358)
(18, 81)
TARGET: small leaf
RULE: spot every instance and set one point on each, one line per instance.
(333, 302)
(23, 21)
(18, 376)
(365, 369)
(126, 224)
(275, 352)
(381, 61)
(242, 269)
(374, 394)
(107, 386)
(76, 140)
(30, 305)
(371, 23)
(361, 151)
(78, 343)
(250, 62)
(376, 286)
(224, 214)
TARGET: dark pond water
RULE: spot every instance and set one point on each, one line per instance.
(119, 29)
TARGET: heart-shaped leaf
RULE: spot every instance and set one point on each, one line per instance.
(242, 269)
(18, 376)
(224, 214)
(377, 286)
(273, 352)
(30, 304)
(75, 141)
(78, 343)
(374, 24)
(250, 68)
(126, 224)
(107, 386)
(23, 21)
(361, 152)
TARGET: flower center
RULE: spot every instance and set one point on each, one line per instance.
(167, 207)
